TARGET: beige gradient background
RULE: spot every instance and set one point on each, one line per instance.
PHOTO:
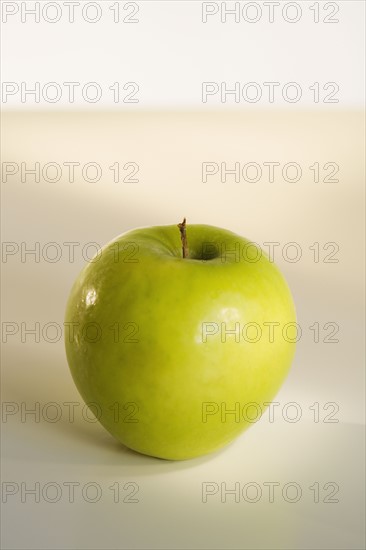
(169, 145)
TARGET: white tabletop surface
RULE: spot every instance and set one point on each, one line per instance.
(169, 512)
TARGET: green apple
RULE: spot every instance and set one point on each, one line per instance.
(179, 338)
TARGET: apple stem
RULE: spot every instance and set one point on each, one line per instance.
(183, 236)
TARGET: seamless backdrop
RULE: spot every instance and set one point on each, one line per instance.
(288, 175)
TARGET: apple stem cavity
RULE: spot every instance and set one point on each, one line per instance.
(183, 235)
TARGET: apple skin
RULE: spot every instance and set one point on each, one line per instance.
(151, 393)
